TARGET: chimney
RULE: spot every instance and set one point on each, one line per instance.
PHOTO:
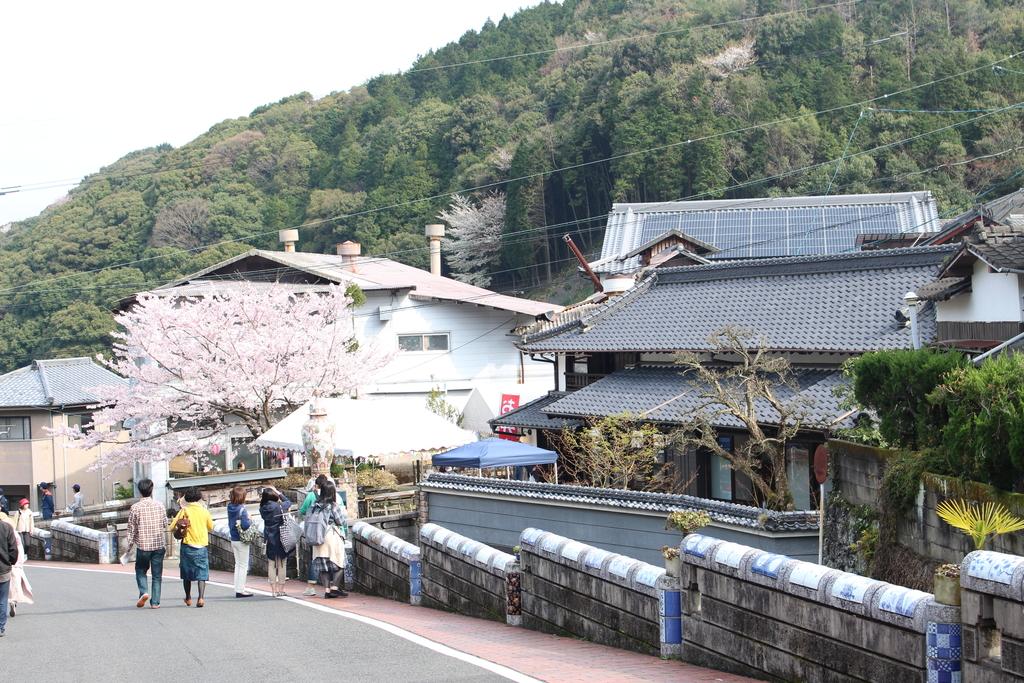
(349, 253)
(434, 234)
(288, 238)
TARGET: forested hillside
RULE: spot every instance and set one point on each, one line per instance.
(601, 81)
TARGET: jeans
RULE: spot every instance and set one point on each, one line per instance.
(144, 559)
(241, 551)
(5, 592)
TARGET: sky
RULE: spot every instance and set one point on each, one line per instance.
(84, 83)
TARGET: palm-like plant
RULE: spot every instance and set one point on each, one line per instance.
(979, 522)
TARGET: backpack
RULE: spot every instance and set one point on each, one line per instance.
(315, 530)
(181, 526)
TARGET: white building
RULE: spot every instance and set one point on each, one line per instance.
(446, 334)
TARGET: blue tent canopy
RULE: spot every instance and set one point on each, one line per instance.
(494, 453)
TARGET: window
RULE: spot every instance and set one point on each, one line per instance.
(81, 420)
(15, 429)
(423, 342)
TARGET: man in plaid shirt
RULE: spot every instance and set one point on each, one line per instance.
(147, 525)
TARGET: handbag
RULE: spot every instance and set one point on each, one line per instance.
(291, 532)
(181, 526)
(247, 536)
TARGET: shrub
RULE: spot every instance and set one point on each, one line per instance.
(688, 521)
(376, 479)
(985, 426)
(896, 385)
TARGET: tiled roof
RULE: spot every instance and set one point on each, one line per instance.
(721, 512)
(371, 273)
(48, 383)
(1006, 210)
(532, 416)
(664, 394)
(837, 303)
(1003, 256)
(770, 226)
(943, 289)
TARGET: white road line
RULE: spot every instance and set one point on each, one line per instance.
(503, 671)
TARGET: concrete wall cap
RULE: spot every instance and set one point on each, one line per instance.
(467, 549)
(387, 543)
(77, 530)
(621, 569)
(992, 573)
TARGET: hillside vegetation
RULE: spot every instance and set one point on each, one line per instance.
(375, 163)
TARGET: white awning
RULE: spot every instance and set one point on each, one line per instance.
(365, 428)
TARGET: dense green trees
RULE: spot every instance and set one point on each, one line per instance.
(376, 162)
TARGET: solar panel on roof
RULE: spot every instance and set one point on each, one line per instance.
(760, 231)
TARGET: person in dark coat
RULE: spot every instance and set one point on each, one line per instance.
(46, 502)
(8, 558)
(273, 506)
(5, 507)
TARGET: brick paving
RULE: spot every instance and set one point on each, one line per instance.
(543, 656)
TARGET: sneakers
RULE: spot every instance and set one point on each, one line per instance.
(13, 611)
(142, 600)
(309, 592)
(243, 595)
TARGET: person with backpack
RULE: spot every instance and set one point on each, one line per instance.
(312, 493)
(324, 533)
(192, 525)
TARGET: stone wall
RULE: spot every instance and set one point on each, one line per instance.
(570, 588)
(40, 544)
(769, 616)
(992, 593)
(385, 565)
(73, 543)
(404, 525)
(468, 577)
(920, 540)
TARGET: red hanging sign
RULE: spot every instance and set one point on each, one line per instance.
(509, 402)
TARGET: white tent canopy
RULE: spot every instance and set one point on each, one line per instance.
(371, 428)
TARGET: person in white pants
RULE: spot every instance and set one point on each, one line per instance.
(239, 516)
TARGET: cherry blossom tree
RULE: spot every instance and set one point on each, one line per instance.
(473, 244)
(244, 353)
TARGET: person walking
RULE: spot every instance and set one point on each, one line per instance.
(21, 589)
(77, 507)
(46, 503)
(5, 507)
(8, 558)
(329, 556)
(273, 507)
(238, 516)
(24, 522)
(147, 521)
(194, 563)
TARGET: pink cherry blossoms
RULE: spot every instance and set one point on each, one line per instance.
(244, 354)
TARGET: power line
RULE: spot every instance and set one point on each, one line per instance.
(791, 172)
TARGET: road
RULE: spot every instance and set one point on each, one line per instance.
(84, 626)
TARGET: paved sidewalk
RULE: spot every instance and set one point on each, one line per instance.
(538, 655)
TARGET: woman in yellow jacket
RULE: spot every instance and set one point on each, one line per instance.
(195, 559)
